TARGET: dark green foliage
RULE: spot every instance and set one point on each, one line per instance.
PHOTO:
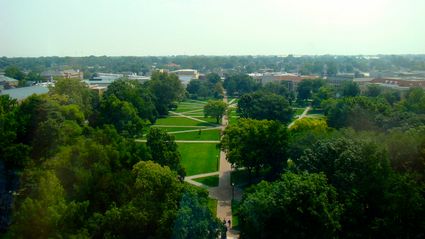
(166, 88)
(240, 84)
(296, 206)
(350, 89)
(74, 92)
(279, 88)
(194, 218)
(164, 150)
(123, 115)
(211, 87)
(134, 93)
(371, 193)
(256, 144)
(306, 88)
(360, 113)
(215, 109)
(266, 106)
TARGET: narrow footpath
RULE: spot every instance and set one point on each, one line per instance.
(223, 193)
(304, 114)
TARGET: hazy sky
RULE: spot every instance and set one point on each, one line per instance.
(210, 27)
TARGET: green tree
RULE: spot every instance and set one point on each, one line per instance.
(307, 87)
(76, 92)
(166, 88)
(213, 78)
(15, 73)
(351, 166)
(350, 89)
(239, 84)
(296, 206)
(123, 115)
(133, 92)
(267, 106)
(256, 144)
(215, 109)
(194, 218)
(164, 150)
(373, 90)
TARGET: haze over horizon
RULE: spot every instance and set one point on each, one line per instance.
(207, 27)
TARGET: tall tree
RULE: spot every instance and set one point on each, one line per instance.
(215, 109)
(256, 144)
(261, 105)
(296, 206)
(164, 150)
(166, 88)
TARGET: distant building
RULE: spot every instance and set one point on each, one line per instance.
(185, 75)
(7, 82)
(399, 83)
(24, 92)
(290, 80)
(105, 79)
(67, 74)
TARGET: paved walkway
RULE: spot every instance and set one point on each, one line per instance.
(304, 114)
(223, 193)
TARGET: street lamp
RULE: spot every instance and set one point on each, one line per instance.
(233, 191)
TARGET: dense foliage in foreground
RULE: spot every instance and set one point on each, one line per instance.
(75, 171)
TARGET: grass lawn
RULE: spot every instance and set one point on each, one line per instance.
(174, 129)
(204, 135)
(235, 218)
(187, 108)
(211, 181)
(199, 158)
(199, 113)
(180, 122)
(212, 205)
(208, 119)
(299, 111)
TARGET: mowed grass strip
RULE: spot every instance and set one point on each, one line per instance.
(198, 135)
(211, 181)
(175, 129)
(180, 122)
(184, 109)
(199, 158)
(208, 119)
(299, 111)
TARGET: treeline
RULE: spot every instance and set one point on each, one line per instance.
(230, 64)
(72, 168)
(356, 173)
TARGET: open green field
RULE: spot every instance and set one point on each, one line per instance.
(208, 119)
(188, 108)
(199, 135)
(211, 181)
(298, 111)
(199, 158)
(180, 122)
(174, 129)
